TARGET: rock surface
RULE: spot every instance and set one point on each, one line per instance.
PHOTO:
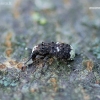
(25, 23)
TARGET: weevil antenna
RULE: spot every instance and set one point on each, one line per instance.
(30, 55)
(28, 59)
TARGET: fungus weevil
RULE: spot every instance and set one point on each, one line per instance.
(58, 50)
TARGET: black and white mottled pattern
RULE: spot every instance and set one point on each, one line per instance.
(58, 50)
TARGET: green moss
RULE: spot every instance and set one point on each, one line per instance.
(43, 21)
(38, 18)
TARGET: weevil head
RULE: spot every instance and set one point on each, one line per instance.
(72, 53)
(34, 48)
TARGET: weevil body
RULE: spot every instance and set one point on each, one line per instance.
(53, 49)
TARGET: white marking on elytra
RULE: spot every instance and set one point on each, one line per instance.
(57, 42)
(58, 49)
(34, 48)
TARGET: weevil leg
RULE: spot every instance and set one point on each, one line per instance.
(58, 60)
(34, 69)
(45, 61)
